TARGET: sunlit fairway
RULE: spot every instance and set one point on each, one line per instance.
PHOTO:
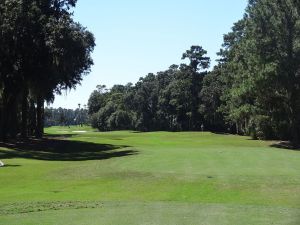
(132, 178)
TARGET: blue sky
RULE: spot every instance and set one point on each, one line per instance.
(135, 37)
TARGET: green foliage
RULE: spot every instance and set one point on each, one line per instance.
(260, 66)
(197, 58)
(212, 90)
(168, 100)
(43, 51)
(121, 120)
(263, 127)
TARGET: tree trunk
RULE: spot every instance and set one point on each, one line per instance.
(24, 127)
(295, 118)
(32, 118)
(3, 130)
(295, 131)
(39, 117)
(1, 118)
(4, 125)
(9, 116)
(13, 122)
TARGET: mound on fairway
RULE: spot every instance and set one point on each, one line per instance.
(165, 178)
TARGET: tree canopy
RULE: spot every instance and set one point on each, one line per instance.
(43, 51)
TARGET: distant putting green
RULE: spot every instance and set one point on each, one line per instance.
(160, 178)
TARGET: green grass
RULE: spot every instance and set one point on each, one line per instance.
(130, 178)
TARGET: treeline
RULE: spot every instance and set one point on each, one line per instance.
(169, 100)
(65, 117)
(254, 90)
(175, 99)
(42, 52)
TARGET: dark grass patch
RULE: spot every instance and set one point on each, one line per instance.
(9, 165)
(286, 145)
(57, 148)
(29, 207)
(60, 136)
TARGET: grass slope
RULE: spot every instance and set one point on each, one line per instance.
(148, 178)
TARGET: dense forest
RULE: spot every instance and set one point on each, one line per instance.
(42, 52)
(253, 90)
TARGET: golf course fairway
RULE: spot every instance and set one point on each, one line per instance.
(80, 176)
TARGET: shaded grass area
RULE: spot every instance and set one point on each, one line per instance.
(55, 147)
(167, 178)
(286, 145)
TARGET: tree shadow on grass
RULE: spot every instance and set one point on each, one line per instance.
(59, 136)
(286, 145)
(55, 149)
(10, 165)
(221, 133)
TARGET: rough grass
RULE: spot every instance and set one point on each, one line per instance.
(148, 178)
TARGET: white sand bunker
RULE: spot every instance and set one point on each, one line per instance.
(1, 164)
(79, 131)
